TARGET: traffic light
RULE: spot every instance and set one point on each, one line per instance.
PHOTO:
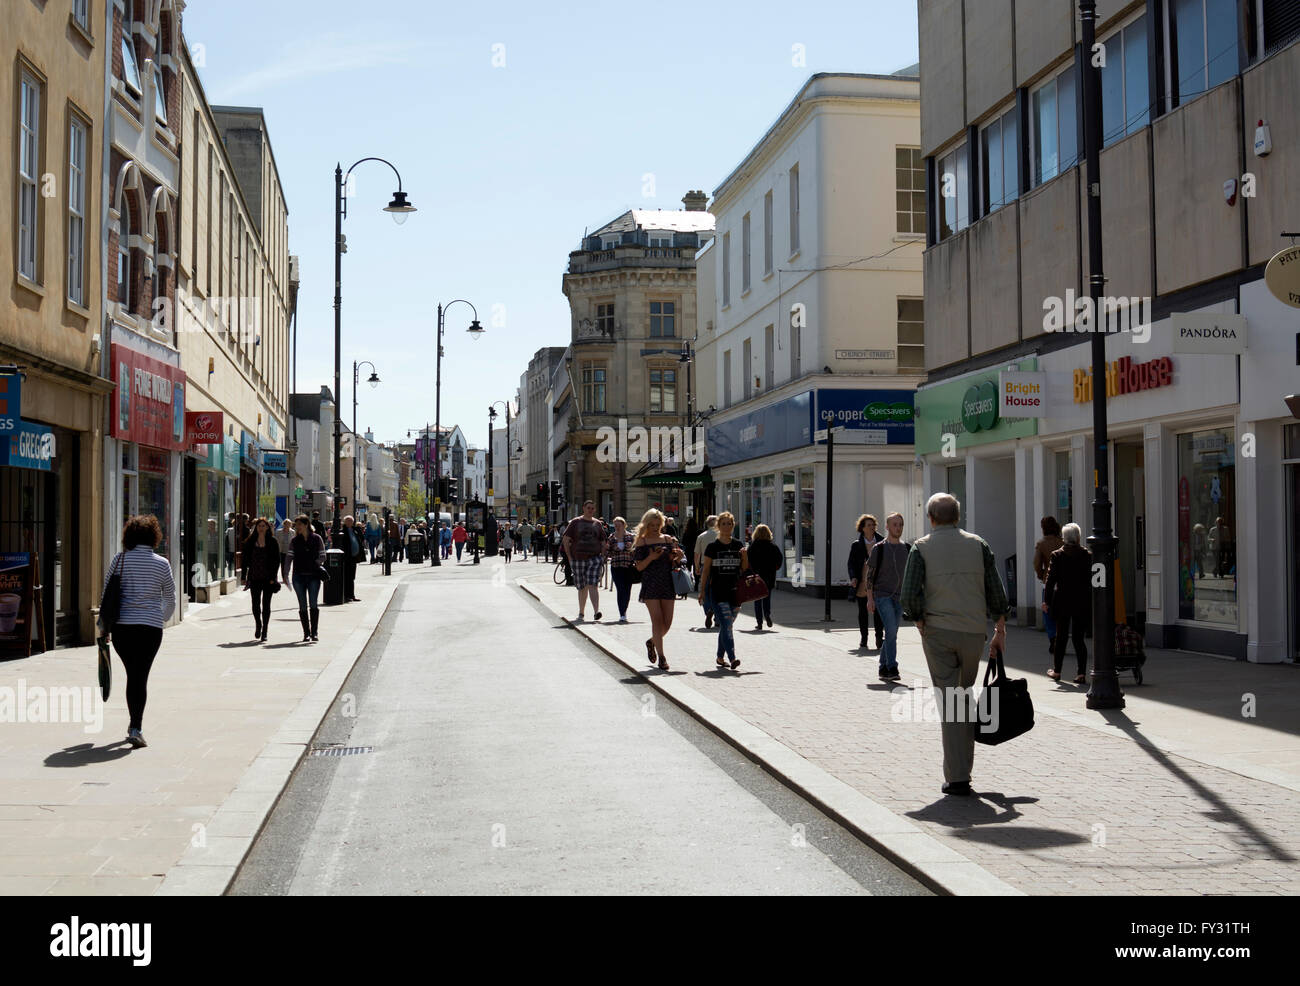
(557, 495)
(540, 494)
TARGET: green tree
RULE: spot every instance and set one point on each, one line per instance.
(411, 503)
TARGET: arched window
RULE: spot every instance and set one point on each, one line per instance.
(124, 258)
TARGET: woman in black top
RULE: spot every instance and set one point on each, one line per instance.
(724, 559)
(261, 560)
(1069, 597)
(766, 559)
(307, 550)
(868, 538)
(654, 554)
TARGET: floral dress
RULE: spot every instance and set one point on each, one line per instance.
(657, 577)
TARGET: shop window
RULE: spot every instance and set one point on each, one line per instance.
(807, 538)
(909, 189)
(1207, 535)
(1053, 128)
(1125, 88)
(957, 487)
(789, 522)
(911, 334)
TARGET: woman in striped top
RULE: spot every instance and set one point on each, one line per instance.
(148, 600)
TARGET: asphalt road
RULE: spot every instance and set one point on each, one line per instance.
(509, 756)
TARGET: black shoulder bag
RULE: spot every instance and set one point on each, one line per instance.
(1004, 710)
(110, 605)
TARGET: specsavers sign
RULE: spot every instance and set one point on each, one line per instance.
(970, 410)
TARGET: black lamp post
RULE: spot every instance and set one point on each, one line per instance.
(400, 208)
(475, 330)
(373, 380)
(1104, 692)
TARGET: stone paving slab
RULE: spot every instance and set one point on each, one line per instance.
(1167, 796)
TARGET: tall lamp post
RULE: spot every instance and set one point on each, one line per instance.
(400, 209)
(475, 330)
(373, 380)
(1104, 692)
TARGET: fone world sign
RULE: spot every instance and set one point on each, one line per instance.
(979, 407)
(1282, 275)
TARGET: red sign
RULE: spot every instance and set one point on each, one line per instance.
(204, 427)
(149, 406)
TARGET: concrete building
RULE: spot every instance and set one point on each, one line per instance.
(381, 475)
(631, 291)
(814, 294)
(537, 431)
(52, 326)
(1204, 451)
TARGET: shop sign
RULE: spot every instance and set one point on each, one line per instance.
(965, 412)
(885, 415)
(1208, 332)
(1282, 276)
(1123, 376)
(776, 428)
(275, 462)
(204, 427)
(11, 401)
(150, 405)
(1023, 394)
(249, 452)
(29, 446)
(864, 354)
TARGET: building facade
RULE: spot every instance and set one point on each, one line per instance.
(537, 437)
(1205, 506)
(814, 317)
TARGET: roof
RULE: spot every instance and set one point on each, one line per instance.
(675, 220)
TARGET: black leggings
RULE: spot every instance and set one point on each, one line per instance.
(865, 620)
(261, 593)
(1072, 628)
(137, 645)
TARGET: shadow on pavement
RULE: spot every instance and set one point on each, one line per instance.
(88, 753)
(983, 808)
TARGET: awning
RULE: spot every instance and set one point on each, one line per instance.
(680, 479)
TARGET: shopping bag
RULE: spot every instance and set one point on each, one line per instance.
(1004, 709)
(105, 667)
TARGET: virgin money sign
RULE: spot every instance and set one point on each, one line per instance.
(149, 406)
(204, 427)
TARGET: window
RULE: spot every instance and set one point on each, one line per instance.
(160, 97)
(1207, 545)
(999, 163)
(605, 318)
(663, 319)
(593, 388)
(663, 391)
(794, 209)
(726, 379)
(1053, 128)
(726, 269)
(1280, 20)
(29, 169)
(1124, 83)
(130, 70)
(744, 254)
(81, 13)
(1202, 43)
(124, 258)
(911, 334)
(952, 178)
(769, 370)
(747, 368)
(767, 232)
(77, 212)
(909, 183)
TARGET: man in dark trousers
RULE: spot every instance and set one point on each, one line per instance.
(353, 551)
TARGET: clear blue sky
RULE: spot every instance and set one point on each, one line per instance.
(507, 164)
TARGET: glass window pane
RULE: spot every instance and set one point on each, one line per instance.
(1207, 546)
(1221, 30)
(902, 157)
(1067, 115)
(1189, 29)
(1010, 158)
(1137, 87)
(963, 185)
(1112, 91)
(902, 201)
(1043, 104)
(991, 168)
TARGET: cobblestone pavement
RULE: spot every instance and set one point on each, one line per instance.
(1086, 803)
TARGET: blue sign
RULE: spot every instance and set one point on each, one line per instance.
(275, 462)
(11, 401)
(776, 428)
(888, 412)
(249, 453)
(29, 446)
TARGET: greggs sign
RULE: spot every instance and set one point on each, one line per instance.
(1123, 376)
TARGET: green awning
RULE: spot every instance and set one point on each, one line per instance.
(681, 480)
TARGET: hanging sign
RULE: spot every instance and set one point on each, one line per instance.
(205, 427)
(30, 446)
(1282, 276)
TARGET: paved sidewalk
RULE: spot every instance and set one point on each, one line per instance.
(1179, 793)
(227, 719)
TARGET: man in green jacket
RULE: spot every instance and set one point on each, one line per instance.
(951, 589)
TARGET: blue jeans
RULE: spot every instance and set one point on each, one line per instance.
(306, 586)
(1048, 622)
(725, 614)
(891, 612)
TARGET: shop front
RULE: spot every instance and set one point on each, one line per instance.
(212, 468)
(769, 467)
(147, 432)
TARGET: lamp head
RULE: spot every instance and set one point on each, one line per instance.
(399, 207)
(475, 329)
(374, 380)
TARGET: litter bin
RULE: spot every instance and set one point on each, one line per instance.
(415, 549)
(334, 587)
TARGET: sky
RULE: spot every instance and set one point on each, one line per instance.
(515, 127)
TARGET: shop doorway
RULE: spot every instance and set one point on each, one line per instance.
(1130, 529)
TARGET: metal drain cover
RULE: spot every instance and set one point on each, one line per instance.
(338, 751)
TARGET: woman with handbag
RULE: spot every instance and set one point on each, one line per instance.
(766, 559)
(653, 555)
(261, 556)
(621, 569)
(143, 600)
(724, 559)
(1068, 593)
(307, 550)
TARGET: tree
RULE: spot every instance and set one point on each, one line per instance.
(412, 503)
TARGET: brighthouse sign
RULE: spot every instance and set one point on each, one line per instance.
(1021, 394)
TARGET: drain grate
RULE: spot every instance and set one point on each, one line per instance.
(334, 750)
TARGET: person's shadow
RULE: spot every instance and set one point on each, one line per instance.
(87, 753)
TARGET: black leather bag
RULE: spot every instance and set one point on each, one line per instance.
(1004, 710)
(110, 604)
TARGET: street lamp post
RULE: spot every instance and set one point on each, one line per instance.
(373, 380)
(475, 330)
(400, 209)
(1104, 692)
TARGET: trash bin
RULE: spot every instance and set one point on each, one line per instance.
(334, 587)
(415, 549)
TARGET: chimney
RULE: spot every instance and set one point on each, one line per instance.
(695, 201)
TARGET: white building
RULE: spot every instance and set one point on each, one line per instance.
(810, 310)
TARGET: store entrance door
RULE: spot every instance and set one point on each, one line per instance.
(1130, 529)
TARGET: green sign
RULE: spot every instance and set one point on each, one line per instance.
(878, 412)
(967, 411)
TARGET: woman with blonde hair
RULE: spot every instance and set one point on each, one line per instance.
(766, 559)
(724, 560)
(653, 554)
